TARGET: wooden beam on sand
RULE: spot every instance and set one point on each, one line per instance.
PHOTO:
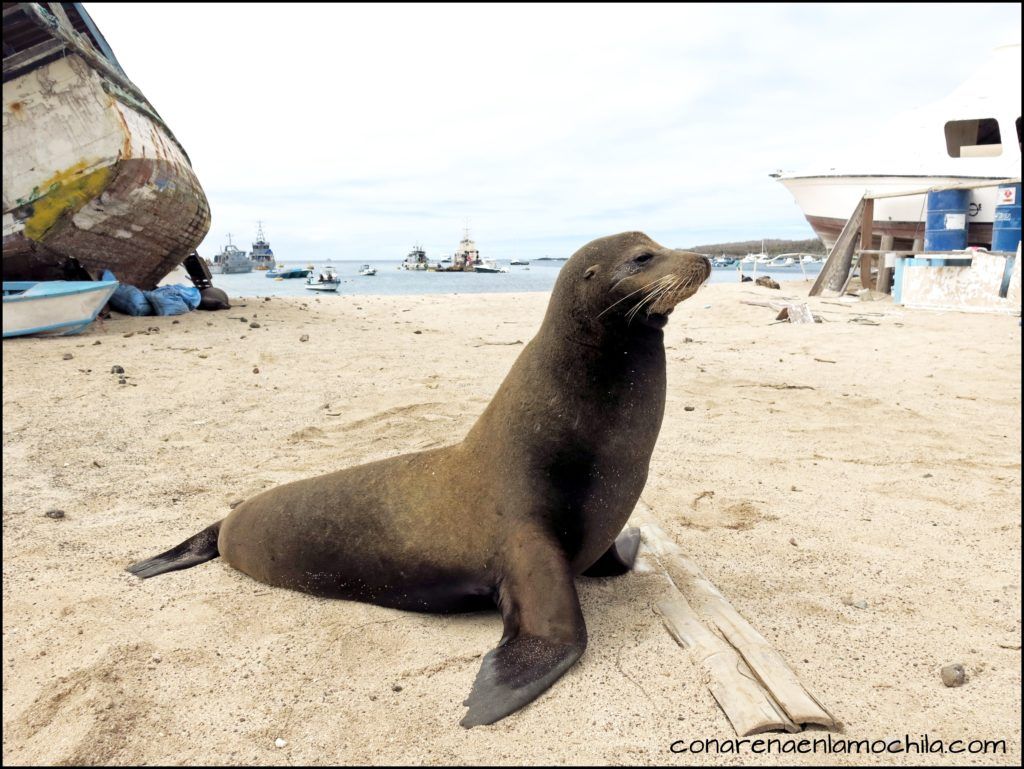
(751, 681)
(883, 284)
(836, 271)
(732, 684)
(867, 225)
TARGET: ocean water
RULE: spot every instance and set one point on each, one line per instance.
(390, 279)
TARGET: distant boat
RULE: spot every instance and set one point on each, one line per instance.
(467, 255)
(93, 177)
(53, 307)
(287, 273)
(262, 255)
(367, 270)
(488, 265)
(327, 280)
(518, 262)
(231, 260)
(416, 260)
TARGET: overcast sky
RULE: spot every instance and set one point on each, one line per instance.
(355, 131)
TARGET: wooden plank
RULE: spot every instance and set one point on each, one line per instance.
(836, 270)
(941, 187)
(867, 227)
(730, 680)
(883, 284)
(777, 681)
(766, 663)
(25, 58)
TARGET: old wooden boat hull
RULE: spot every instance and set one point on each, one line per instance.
(92, 177)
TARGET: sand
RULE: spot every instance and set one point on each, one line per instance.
(821, 465)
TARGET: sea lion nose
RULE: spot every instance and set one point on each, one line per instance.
(707, 266)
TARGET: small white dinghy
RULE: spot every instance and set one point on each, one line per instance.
(53, 307)
(326, 281)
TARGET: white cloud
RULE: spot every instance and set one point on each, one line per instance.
(355, 130)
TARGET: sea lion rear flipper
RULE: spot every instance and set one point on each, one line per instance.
(544, 633)
(619, 558)
(197, 549)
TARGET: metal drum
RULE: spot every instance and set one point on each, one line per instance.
(1006, 221)
(945, 227)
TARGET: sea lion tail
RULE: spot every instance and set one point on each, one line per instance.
(195, 550)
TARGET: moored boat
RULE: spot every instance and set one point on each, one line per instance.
(416, 259)
(262, 255)
(327, 280)
(231, 260)
(488, 265)
(287, 273)
(93, 177)
(367, 270)
(53, 307)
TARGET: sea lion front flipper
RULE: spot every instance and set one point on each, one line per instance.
(619, 558)
(544, 632)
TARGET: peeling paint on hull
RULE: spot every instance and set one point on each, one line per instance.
(90, 176)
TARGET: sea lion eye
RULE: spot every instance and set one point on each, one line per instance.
(643, 258)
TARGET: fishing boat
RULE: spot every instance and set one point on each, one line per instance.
(231, 260)
(93, 177)
(327, 280)
(53, 307)
(262, 255)
(466, 255)
(416, 260)
(367, 270)
(973, 134)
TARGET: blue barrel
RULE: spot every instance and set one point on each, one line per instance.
(1006, 222)
(945, 227)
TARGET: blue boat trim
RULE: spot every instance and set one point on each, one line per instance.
(71, 326)
(48, 289)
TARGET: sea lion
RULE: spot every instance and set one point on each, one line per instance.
(534, 495)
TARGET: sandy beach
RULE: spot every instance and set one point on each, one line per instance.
(870, 460)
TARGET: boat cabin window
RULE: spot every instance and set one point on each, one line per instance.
(978, 138)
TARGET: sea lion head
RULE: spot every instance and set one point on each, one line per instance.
(629, 280)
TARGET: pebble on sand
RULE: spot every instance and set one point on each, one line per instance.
(55, 514)
(954, 675)
(68, 356)
(280, 742)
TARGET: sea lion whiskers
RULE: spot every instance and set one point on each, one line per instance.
(632, 293)
(653, 297)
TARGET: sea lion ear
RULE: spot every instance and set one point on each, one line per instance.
(590, 272)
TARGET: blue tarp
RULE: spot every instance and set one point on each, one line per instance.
(163, 300)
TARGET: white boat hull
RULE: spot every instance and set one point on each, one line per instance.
(59, 314)
(828, 201)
